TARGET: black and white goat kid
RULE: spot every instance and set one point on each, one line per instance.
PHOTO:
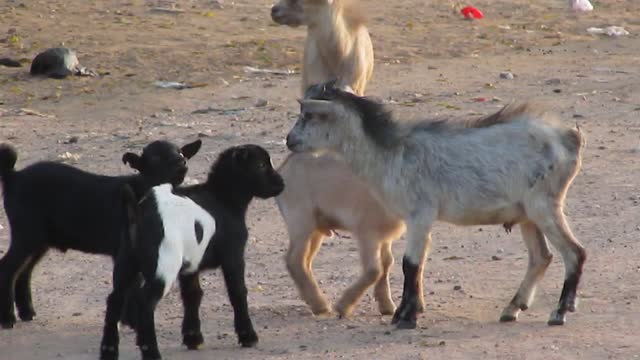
(178, 232)
(50, 204)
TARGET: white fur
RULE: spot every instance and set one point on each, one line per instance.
(179, 245)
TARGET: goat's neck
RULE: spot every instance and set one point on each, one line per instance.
(234, 200)
(330, 28)
(370, 160)
(139, 185)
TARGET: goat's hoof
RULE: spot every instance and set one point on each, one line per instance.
(108, 353)
(508, 318)
(420, 308)
(403, 324)
(249, 339)
(149, 354)
(7, 324)
(557, 318)
(27, 315)
(193, 341)
(321, 310)
(343, 312)
(387, 310)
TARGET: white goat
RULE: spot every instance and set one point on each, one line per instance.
(322, 194)
(513, 167)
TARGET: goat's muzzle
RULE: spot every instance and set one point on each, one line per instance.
(292, 143)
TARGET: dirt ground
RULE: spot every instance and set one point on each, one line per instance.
(429, 63)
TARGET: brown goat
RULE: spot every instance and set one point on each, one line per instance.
(338, 46)
(322, 195)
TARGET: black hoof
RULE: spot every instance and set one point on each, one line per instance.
(108, 353)
(26, 315)
(557, 318)
(7, 324)
(193, 341)
(249, 340)
(406, 324)
(508, 318)
(151, 354)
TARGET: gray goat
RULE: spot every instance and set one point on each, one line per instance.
(513, 167)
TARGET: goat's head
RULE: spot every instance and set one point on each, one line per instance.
(327, 120)
(294, 12)
(251, 170)
(162, 161)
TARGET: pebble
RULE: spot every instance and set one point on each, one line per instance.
(506, 75)
(496, 258)
(457, 288)
(261, 103)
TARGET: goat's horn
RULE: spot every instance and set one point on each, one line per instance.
(316, 106)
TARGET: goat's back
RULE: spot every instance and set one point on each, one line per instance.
(75, 209)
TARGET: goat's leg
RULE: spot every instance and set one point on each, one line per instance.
(11, 266)
(233, 271)
(299, 262)
(191, 294)
(147, 342)
(554, 226)
(539, 260)
(315, 242)
(382, 291)
(371, 273)
(130, 313)
(416, 253)
(123, 275)
(24, 302)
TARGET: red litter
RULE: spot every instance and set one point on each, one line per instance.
(471, 13)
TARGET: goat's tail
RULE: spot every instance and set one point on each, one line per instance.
(8, 158)
(130, 205)
(574, 141)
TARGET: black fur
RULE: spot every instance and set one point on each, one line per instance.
(377, 120)
(239, 174)
(50, 204)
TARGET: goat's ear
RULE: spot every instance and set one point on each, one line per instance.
(134, 160)
(191, 149)
(320, 108)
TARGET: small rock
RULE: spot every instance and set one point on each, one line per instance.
(72, 140)
(457, 288)
(76, 314)
(506, 75)
(557, 91)
(261, 103)
(442, 343)
(496, 258)
(552, 81)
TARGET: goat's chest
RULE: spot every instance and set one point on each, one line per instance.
(188, 229)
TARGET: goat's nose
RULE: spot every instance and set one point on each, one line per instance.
(290, 142)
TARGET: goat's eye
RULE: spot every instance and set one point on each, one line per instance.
(262, 166)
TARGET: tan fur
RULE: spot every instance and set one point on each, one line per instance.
(338, 46)
(321, 195)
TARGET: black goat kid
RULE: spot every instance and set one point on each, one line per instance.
(178, 232)
(50, 204)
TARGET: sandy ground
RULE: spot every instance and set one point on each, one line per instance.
(429, 63)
